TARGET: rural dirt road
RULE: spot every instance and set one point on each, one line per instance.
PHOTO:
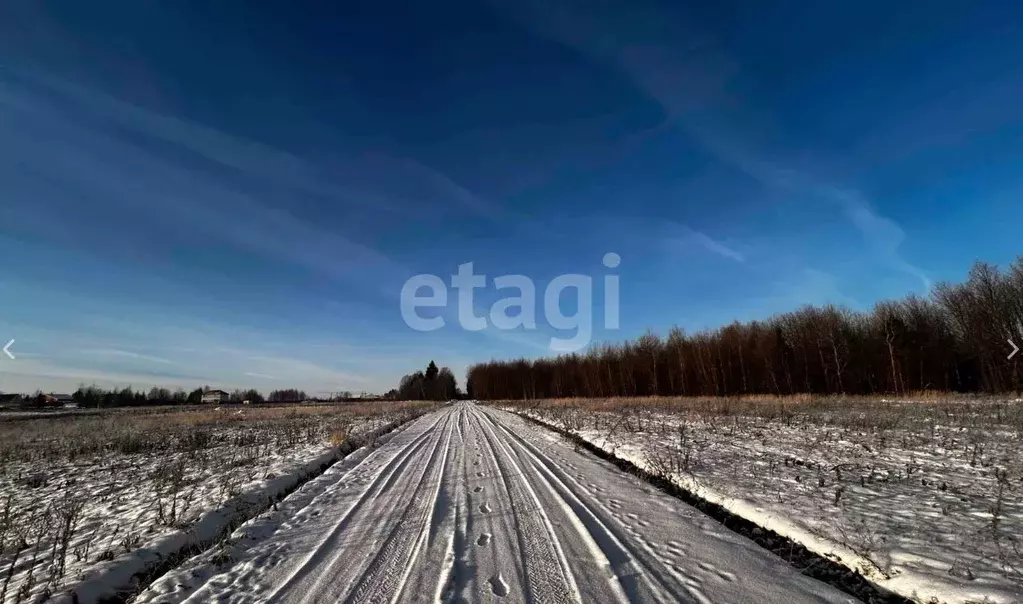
(472, 504)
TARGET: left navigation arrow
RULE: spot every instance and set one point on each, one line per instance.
(7, 349)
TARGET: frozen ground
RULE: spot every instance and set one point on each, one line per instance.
(82, 495)
(924, 498)
(472, 504)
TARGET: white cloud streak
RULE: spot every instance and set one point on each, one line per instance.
(86, 153)
(684, 70)
(712, 245)
(114, 352)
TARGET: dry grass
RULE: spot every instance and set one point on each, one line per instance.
(77, 489)
(71, 436)
(843, 410)
(927, 476)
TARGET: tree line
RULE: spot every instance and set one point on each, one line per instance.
(286, 395)
(94, 396)
(954, 340)
(434, 384)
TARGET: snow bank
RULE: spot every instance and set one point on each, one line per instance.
(129, 572)
(918, 569)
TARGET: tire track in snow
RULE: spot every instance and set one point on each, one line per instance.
(639, 572)
(548, 577)
(502, 553)
(386, 576)
(442, 539)
(474, 505)
(326, 555)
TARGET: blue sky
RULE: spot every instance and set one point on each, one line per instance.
(233, 193)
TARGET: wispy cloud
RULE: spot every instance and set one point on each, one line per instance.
(198, 192)
(182, 350)
(883, 234)
(687, 236)
(28, 375)
(199, 196)
(371, 180)
(808, 286)
(451, 190)
(689, 75)
(114, 352)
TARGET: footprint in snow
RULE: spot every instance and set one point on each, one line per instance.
(498, 585)
(484, 539)
(485, 508)
(478, 490)
(726, 576)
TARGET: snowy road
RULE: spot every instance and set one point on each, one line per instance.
(470, 504)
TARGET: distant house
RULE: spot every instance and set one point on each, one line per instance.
(53, 400)
(215, 396)
(45, 400)
(11, 399)
(65, 400)
(56, 400)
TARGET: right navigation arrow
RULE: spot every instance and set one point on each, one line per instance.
(1015, 349)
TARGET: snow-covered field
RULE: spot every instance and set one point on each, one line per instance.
(472, 504)
(924, 497)
(86, 495)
